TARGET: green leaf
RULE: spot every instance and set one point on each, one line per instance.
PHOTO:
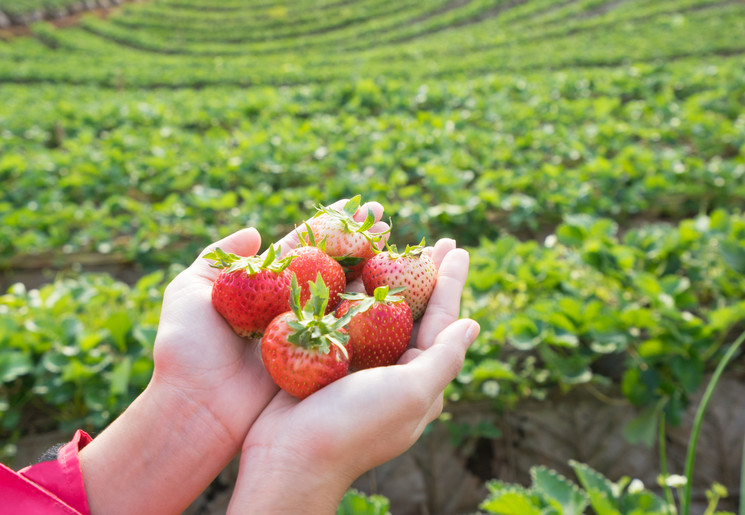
(120, 376)
(357, 503)
(119, 325)
(601, 491)
(689, 371)
(734, 255)
(511, 502)
(643, 503)
(558, 491)
(524, 333)
(574, 368)
(14, 364)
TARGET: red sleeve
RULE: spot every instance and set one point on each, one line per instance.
(49, 487)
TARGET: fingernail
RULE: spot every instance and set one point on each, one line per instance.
(471, 333)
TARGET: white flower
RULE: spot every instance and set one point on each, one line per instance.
(675, 481)
(636, 486)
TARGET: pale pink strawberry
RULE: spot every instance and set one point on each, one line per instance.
(412, 270)
(250, 291)
(304, 350)
(348, 241)
(380, 332)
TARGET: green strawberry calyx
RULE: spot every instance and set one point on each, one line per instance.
(409, 251)
(381, 294)
(308, 239)
(346, 217)
(313, 329)
(251, 264)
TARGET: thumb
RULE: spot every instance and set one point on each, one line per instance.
(441, 363)
(245, 242)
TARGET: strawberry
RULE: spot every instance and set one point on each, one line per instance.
(348, 241)
(250, 291)
(380, 332)
(304, 350)
(411, 270)
(310, 260)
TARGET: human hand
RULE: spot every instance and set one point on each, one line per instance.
(198, 353)
(208, 387)
(301, 456)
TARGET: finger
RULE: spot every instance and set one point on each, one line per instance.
(409, 356)
(245, 242)
(443, 307)
(355, 286)
(435, 410)
(288, 242)
(441, 249)
(440, 364)
(375, 207)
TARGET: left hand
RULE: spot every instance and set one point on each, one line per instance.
(301, 456)
(198, 354)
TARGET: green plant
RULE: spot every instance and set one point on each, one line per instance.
(357, 503)
(658, 305)
(551, 492)
(75, 352)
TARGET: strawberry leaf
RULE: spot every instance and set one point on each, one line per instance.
(312, 329)
(251, 264)
(352, 205)
(319, 298)
(349, 261)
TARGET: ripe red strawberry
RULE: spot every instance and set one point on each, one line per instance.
(304, 350)
(380, 332)
(250, 291)
(348, 241)
(411, 270)
(310, 260)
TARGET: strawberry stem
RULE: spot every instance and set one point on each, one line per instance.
(251, 264)
(313, 329)
(346, 217)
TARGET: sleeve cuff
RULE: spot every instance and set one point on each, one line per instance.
(62, 479)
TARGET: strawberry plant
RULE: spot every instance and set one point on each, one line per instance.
(658, 305)
(75, 352)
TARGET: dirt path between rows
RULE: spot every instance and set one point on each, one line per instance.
(63, 21)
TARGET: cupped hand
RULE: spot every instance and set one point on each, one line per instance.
(198, 354)
(314, 449)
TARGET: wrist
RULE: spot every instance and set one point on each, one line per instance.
(166, 449)
(272, 480)
(191, 415)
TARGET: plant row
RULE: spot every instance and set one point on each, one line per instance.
(648, 311)
(274, 24)
(136, 175)
(25, 12)
(702, 32)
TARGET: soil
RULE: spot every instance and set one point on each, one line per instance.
(61, 22)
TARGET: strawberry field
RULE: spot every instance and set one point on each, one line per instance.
(590, 155)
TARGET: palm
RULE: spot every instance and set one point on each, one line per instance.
(375, 405)
(197, 352)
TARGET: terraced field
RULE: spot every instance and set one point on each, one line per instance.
(590, 153)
